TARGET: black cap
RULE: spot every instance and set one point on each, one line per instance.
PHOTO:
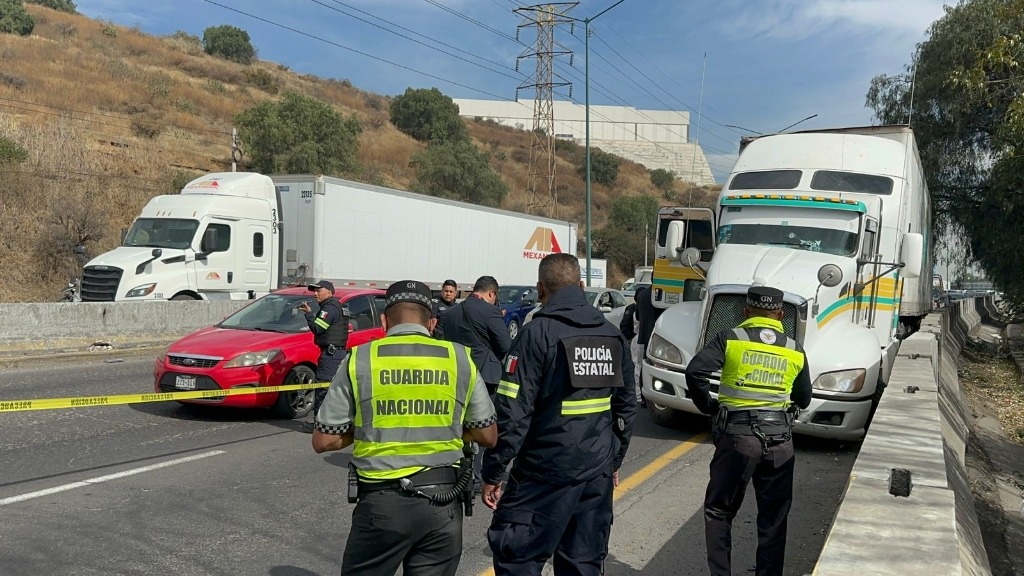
(450, 282)
(322, 284)
(764, 298)
(408, 291)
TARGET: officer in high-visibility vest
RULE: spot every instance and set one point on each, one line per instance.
(764, 377)
(407, 402)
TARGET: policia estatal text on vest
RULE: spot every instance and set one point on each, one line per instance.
(764, 377)
(408, 403)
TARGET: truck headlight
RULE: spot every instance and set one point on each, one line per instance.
(849, 381)
(660, 349)
(144, 290)
(252, 359)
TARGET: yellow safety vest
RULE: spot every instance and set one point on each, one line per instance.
(411, 393)
(759, 372)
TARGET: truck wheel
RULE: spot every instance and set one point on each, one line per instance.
(182, 297)
(299, 403)
(513, 328)
(663, 415)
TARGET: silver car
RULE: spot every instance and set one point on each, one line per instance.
(608, 300)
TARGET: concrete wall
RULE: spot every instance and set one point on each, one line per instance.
(934, 530)
(60, 326)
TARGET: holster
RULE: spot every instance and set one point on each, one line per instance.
(353, 484)
(469, 452)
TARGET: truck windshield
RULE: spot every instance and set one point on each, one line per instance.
(162, 233)
(810, 238)
(272, 313)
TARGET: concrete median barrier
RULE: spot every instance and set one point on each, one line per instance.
(908, 508)
(66, 326)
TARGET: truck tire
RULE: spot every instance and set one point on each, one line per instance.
(299, 403)
(182, 297)
(663, 415)
(513, 329)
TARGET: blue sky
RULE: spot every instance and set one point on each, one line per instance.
(770, 63)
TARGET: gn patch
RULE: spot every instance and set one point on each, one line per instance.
(594, 361)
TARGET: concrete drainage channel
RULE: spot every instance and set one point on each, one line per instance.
(908, 508)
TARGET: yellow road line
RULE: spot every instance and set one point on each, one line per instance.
(644, 474)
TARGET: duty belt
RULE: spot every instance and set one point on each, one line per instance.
(443, 476)
(757, 416)
(770, 427)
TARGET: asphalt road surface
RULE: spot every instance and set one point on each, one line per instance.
(167, 489)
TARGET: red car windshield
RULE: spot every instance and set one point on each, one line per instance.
(272, 313)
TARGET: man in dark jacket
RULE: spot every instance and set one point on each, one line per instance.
(646, 315)
(439, 307)
(329, 325)
(565, 417)
(477, 324)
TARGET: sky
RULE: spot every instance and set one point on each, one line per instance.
(769, 63)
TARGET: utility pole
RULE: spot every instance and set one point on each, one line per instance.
(545, 17)
(236, 151)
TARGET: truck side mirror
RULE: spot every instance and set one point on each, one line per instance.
(209, 243)
(79, 249)
(689, 257)
(157, 252)
(912, 254)
(674, 236)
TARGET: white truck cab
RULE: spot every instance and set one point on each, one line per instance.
(838, 220)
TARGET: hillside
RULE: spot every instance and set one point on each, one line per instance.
(111, 116)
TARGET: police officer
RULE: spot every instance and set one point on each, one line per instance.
(449, 289)
(764, 375)
(408, 403)
(565, 410)
(329, 325)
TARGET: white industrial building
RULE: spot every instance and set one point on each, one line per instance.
(654, 138)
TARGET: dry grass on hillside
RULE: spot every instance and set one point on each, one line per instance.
(112, 116)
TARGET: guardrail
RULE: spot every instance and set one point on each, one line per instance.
(55, 326)
(908, 508)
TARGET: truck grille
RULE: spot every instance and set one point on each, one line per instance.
(192, 361)
(727, 313)
(99, 283)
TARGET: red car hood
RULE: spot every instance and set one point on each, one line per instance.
(228, 343)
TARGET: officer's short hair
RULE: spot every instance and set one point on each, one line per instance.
(485, 284)
(557, 271)
(451, 283)
(408, 313)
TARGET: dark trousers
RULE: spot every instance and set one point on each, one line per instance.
(535, 520)
(478, 461)
(392, 529)
(737, 460)
(326, 367)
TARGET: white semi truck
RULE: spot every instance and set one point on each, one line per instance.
(239, 235)
(839, 220)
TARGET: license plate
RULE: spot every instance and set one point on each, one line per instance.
(672, 298)
(185, 382)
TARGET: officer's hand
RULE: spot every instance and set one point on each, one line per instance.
(305, 307)
(615, 479)
(490, 494)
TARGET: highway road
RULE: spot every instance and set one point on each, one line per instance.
(167, 489)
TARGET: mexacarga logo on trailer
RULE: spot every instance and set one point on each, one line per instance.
(540, 244)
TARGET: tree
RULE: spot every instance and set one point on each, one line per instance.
(299, 134)
(458, 170)
(427, 115)
(622, 240)
(967, 110)
(229, 42)
(662, 179)
(14, 19)
(62, 5)
(604, 167)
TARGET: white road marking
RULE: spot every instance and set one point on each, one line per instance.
(107, 478)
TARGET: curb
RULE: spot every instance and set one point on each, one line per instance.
(23, 358)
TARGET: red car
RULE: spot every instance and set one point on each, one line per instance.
(267, 343)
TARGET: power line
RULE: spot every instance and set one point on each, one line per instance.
(360, 52)
(477, 22)
(411, 39)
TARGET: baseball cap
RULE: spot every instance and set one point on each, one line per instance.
(764, 298)
(408, 291)
(321, 284)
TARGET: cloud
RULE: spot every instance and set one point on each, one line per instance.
(793, 20)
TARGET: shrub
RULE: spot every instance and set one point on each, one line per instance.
(460, 171)
(428, 115)
(110, 31)
(229, 42)
(16, 82)
(263, 80)
(14, 19)
(662, 179)
(604, 167)
(11, 152)
(61, 5)
(299, 134)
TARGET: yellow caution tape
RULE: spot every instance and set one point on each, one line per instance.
(87, 401)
